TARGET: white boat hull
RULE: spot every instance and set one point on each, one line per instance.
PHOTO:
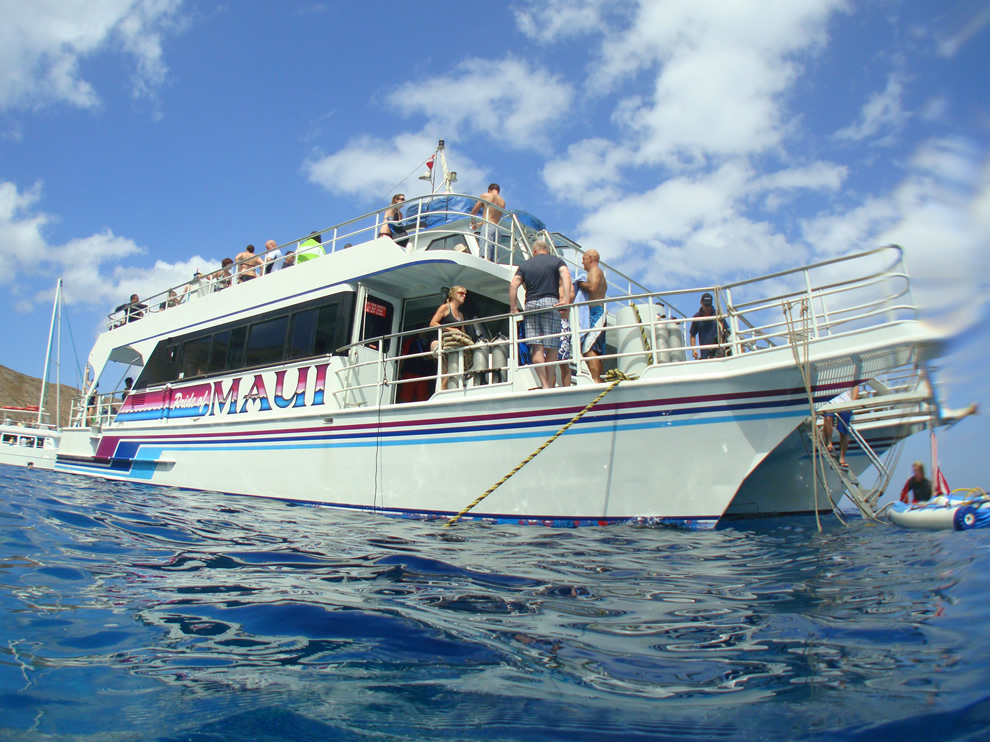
(630, 457)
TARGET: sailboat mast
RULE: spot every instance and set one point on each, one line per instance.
(48, 352)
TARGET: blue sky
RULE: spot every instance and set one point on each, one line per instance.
(689, 142)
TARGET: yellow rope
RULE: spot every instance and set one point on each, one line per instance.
(642, 330)
(614, 376)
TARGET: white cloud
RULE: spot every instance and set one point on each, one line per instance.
(371, 168)
(508, 100)
(950, 44)
(91, 267)
(43, 42)
(882, 113)
(589, 173)
(940, 214)
(721, 69)
(556, 19)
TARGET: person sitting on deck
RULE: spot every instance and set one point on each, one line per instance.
(133, 310)
(390, 226)
(221, 278)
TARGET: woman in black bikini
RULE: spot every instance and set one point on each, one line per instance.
(449, 313)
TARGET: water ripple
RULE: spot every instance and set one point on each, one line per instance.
(347, 624)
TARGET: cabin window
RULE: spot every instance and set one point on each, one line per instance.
(302, 333)
(448, 243)
(195, 355)
(266, 342)
(330, 330)
(316, 328)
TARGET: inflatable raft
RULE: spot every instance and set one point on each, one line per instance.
(958, 513)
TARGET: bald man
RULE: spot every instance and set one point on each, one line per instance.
(592, 285)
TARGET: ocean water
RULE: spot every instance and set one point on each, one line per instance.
(133, 612)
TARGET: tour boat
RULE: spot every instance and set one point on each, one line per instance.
(298, 384)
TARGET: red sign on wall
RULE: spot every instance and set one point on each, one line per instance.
(378, 310)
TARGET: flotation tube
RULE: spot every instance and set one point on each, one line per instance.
(943, 514)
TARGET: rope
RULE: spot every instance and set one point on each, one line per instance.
(614, 376)
(642, 330)
(805, 368)
(456, 339)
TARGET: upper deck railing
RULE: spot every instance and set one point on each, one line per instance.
(447, 214)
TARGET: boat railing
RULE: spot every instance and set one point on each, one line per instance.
(640, 331)
(641, 334)
(96, 410)
(417, 233)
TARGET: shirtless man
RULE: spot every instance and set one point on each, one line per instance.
(591, 282)
(494, 209)
(248, 264)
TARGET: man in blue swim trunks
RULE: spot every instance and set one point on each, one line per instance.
(591, 281)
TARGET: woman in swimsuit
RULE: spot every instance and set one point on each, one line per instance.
(449, 313)
(389, 228)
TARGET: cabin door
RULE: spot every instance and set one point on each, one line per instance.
(377, 315)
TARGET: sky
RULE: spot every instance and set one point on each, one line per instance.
(691, 142)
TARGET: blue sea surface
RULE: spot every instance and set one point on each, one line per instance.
(144, 613)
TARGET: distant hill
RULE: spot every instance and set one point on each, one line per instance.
(21, 390)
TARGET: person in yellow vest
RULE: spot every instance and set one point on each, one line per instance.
(310, 248)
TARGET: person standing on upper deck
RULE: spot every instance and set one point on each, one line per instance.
(706, 330)
(248, 264)
(548, 285)
(494, 206)
(273, 257)
(592, 284)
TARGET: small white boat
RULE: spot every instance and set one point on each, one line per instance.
(25, 442)
(952, 513)
(27, 438)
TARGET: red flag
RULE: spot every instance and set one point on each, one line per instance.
(429, 163)
(941, 485)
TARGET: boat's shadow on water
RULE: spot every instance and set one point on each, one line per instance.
(269, 621)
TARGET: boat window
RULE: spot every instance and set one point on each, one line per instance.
(219, 351)
(315, 328)
(331, 330)
(448, 243)
(377, 319)
(302, 333)
(195, 355)
(266, 342)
